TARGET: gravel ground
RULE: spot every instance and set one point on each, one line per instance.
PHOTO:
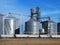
(29, 41)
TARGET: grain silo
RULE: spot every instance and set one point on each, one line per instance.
(32, 25)
(1, 24)
(50, 27)
(11, 25)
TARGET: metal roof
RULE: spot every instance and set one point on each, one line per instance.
(1, 14)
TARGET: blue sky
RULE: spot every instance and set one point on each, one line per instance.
(48, 7)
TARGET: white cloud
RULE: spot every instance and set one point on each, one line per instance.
(50, 12)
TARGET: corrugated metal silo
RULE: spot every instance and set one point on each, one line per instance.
(49, 27)
(1, 24)
(32, 27)
(11, 24)
(52, 28)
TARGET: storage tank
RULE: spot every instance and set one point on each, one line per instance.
(1, 24)
(52, 28)
(32, 27)
(11, 24)
(49, 27)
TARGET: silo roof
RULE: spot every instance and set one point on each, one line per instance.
(10, 16)
(1, 14)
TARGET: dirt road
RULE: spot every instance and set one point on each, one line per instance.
(29, 41)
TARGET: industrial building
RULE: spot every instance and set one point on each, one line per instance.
(10, 26)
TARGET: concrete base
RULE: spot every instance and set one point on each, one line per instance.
(7, 35)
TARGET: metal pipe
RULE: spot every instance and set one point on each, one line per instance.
(3, 25)
(38, 13)
(32, 12)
